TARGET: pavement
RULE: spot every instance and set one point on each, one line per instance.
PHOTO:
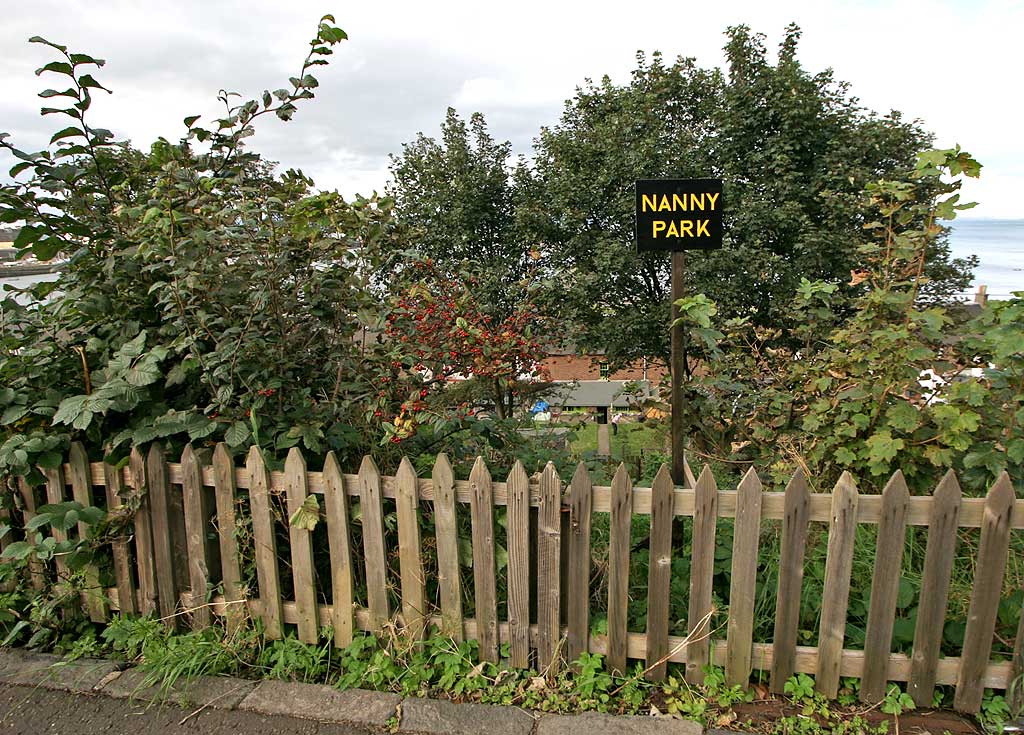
(41, 693)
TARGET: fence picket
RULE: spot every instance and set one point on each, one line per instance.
(163, 553)
(414, 593)
(169, 525)
(885, 587)
(144, 551)
(988, 584)
(578, 573)
(54, 495)
(549, 546)
(267, 575)
(518, 529)
(301, 541)
(619, 544)
(81, 491)
(1015, 681)
(446, 528)
(196, 515)
(339, 538)
(230, 565)
(702, 569)
(842, 533)
(114, 489)
(36, 570)
(371, 503)
(484, 585)
(659, 574)
(931, 608)
(743, 586)
(791, 577)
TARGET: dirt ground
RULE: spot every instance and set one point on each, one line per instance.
(33, 711)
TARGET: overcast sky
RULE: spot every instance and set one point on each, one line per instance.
(954, 65)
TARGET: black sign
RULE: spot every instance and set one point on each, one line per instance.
(678, 214)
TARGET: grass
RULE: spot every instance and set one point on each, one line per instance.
(630, 441)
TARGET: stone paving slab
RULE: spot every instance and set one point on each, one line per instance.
(437, 717)
(53, 672)
(218, 692)
(595, 723)
(323, 703)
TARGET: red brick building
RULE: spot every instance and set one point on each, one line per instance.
(593, 367)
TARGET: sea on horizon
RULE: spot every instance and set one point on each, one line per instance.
(999, 245)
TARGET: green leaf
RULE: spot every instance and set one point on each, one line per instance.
(87, 81)
(71, 132)
(237, 434)
(51, 44)
(57, 67)
(191, 120)
(18, 550)
(307, 515)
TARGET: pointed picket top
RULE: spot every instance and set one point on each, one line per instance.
(368, 468)
(406, 472)
(331, 465)
(188, 454)
(706, 478)
(664, 475)
(479, 474)
(691, 481)
(846, 485)
(137, 469)
(155, 453)
(295, 462)
(1000, 498)
(581, 476)
(254, 458)
(750, 483)
(518, 475)
(221, 454)
(78, 456)
(621, 474)
(550, 473)
(797, 485)
(949, 487)
(896, 488)
(442, 472)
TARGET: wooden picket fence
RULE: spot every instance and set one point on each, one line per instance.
(171, 565)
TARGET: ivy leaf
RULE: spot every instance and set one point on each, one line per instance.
(307, 515)
(903, 417)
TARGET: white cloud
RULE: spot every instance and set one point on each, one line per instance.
(952, 64)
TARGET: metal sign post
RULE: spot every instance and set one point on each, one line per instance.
(678, 215)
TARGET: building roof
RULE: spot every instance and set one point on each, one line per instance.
(580, 393)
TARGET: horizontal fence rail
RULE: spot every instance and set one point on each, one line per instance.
(181, 560)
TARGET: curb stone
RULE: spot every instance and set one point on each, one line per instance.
(216, 692)
(595, 723)
(323, 703)
(27, 668)
(438, 717)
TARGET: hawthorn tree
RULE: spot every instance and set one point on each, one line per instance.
(795, 151)
(447, 338)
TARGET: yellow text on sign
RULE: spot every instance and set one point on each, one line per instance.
(685, 228)
(679, 202)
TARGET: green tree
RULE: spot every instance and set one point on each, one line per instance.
(458, 196)
(204, 298)
(795, 151)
